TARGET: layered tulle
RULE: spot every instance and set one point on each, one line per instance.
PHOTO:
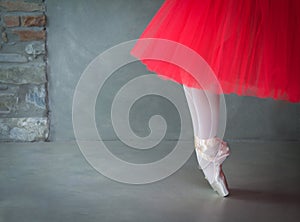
(252, 46)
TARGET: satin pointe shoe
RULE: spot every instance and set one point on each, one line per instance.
(211, 153)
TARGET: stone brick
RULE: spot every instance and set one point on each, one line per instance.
(4, 37)
(24, 129)
(11, 20)
(3, 87)
(8, 99)
(36, 96)
(12, 38)
(12, 57)
(17, 47)
(23, 74)
(35, 20)
(21, 6)
(35, 48)
(35, 1)
(26, 100)
(23, 82)
(30, 35)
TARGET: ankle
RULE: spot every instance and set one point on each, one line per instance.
(208, 148)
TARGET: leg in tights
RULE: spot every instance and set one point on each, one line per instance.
(204, 108)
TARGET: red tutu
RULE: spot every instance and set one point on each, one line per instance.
(253, 46)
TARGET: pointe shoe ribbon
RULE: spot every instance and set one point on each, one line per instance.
(211, 153)
(212, 150)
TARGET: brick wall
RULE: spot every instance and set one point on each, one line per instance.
(23, 66)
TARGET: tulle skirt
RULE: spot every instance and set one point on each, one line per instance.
(252, 46)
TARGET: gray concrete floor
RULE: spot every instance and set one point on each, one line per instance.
(53, 182)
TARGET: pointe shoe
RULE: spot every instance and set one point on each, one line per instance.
(211, 153)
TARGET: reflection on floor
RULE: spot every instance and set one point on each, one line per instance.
(53, 182)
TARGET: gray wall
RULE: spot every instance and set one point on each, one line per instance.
(80, 30)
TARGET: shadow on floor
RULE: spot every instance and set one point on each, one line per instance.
(264, 196)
